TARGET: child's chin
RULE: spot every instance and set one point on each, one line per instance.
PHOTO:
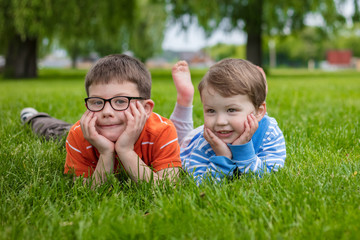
(112, 137)
(228, 140)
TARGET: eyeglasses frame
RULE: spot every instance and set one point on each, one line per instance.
(109, 100)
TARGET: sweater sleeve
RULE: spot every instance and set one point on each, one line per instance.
(200, 161)
(182, 119)
(271, 155)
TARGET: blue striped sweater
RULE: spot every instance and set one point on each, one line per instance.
(265, 152)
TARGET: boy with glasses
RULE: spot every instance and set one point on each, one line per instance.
(118, 129)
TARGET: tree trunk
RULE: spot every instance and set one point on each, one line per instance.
(74, 53)
(254, 48)
(73, 61)
(254, 32)
(21, 58)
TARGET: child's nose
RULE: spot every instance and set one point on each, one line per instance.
(221, 119)
(107, 110)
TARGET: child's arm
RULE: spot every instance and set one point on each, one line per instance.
(133, 164)
(200, 160)
(270, 156)
(183, 122)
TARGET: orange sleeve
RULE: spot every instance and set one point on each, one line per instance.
(166, 150)
(79, 160)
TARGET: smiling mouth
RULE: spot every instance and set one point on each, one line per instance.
(223, 133)
(108, 126)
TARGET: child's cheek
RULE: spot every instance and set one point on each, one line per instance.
(97, 115)
(207, 123)
(239, 125)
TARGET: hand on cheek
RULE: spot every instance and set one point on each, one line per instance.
(250, 126)
(135, 121)
(220, 148)
(101, 143)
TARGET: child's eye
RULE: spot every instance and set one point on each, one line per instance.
(120, 101)
(96, 102)
(231, 110)
(210, 110)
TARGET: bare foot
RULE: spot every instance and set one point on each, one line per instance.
(182, 80)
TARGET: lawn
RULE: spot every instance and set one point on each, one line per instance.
(315, 196)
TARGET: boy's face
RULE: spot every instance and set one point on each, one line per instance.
(226, 116)
(111, 123)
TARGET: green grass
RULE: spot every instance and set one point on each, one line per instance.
(316, 195)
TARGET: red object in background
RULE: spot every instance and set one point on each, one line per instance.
(339, 57)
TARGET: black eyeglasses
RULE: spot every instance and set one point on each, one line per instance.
(118, 103)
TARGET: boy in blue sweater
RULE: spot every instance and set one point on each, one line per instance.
(237, 136)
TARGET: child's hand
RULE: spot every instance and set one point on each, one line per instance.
(101, 143)
(220, 148)
(251, 125)
(135, 121)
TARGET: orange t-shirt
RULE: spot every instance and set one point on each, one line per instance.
(157, 146)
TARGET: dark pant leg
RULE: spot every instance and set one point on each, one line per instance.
(46, 126)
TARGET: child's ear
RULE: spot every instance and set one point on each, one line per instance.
(148, 106)
(261, 111)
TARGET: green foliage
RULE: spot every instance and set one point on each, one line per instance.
(108, 27)
(29, 18)
(148, 29)
(312, 43)
(316, 195)
(221, 51)
(257, 17)
(356, 16)
(282, 15)
(85, 26)
(348, 39)
(101, 26)
(94, 24)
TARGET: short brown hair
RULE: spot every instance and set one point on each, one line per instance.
(236, 76)
(120, 68)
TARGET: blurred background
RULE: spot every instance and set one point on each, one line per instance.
(321, 34)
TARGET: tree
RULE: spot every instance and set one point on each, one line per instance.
(356, 15)
(349, 39)
(148, 29)
(101, 26)
(24, 23)
(142, 36)
(256, 17)
(21, 26)
(221, 51)
(309, 44)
